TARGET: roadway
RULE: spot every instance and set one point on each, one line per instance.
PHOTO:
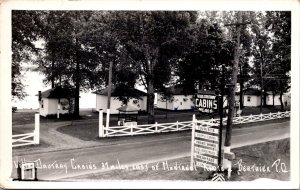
(60, 164)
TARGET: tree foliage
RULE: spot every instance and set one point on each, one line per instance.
(25, 31)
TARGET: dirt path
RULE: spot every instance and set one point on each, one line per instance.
(50, 138)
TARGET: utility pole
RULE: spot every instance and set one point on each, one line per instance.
(261, 89)
(232, 86)
(109, 93)
(109, 85)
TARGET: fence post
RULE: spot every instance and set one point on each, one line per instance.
(156, 127)
(131, 129)
(177, 125)
(101, 129)
(192, 141)
(58, 110)
(107, 118)
(261, 116)
(36, 137)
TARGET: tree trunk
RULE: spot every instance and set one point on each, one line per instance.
(77, 85)
(150, 102)
(273, 100)
(241, 88)
(241, 94)
(150, 92)
(281, 102)
(52, 67)
(265, 98)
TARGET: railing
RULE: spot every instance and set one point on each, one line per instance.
(254, 118)
(146, 129)
(181, 126)
(23, 139)
(28, 138)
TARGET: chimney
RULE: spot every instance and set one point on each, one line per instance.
(40, 95)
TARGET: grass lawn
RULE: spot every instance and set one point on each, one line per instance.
(270, 155)
(21, 117)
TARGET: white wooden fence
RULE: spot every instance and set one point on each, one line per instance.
(28, 138)
(254, 118)
(106, 131)
(130, 130)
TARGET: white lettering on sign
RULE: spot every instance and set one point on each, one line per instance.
(207, 129)
(208, 137)
(28, 166)
(206, 151)
(207, 159)
(207, 103)
(207, 144)
(208, 167)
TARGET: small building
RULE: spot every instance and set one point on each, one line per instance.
(177, 99)
(251, 97)
(286, 99)
(270, 98)
(115, 103)
(54, 99)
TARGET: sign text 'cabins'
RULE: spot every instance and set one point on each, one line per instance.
(206, 103)
(205, 146)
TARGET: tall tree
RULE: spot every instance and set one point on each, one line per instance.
(26, 28)
(208, 52)
(279, 22)
(68, 55)
(150, 40)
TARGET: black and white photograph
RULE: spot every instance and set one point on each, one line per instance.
(153, 96)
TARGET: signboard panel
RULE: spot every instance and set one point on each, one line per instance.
(207, 129)
(206, 144)
(206, 103)
(206, 159)
(206, 166)
(28, 166)
(208, 137)
(206, 151)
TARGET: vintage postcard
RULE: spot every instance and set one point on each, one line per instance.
(149, 94)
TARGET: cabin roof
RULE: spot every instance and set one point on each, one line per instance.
(115, 93)
(57, 92)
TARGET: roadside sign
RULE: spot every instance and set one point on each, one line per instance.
(205, 145)
(27, 168)
(208, 137)
(206, 166)
(206, 103)
(207, 159)
(207, 129)
(206, 151)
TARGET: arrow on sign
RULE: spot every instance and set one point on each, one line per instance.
(218, 177)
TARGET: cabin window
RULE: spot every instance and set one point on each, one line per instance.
(248, 98)
(180, 103)
(42, 103)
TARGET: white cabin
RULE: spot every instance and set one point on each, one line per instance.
(53, 100)
(115, 103)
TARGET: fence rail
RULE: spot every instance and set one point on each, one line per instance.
(28, 138)
(181, 126)
(23, 139)
(254, 118)
(146, 129)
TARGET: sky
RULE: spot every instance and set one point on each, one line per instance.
(33, 82)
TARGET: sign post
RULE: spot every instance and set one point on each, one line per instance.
(206, 136)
